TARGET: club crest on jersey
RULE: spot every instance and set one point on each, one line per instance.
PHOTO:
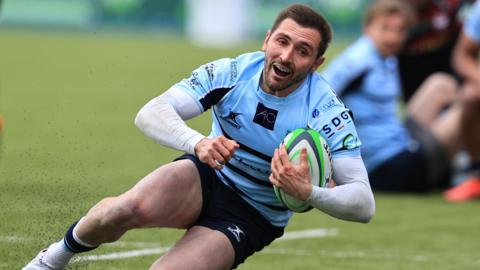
(236, 232)
(231, 118)
(265, 116)
(349, 142)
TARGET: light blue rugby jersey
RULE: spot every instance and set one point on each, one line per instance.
(472, 23)
(369, 86)
(258, 122)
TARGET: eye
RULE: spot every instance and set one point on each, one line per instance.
(303, 51)
(282, 41)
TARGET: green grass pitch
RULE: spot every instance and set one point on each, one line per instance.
(69, 101)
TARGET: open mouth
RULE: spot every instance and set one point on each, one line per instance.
(281, 70)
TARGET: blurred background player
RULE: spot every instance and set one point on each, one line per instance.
(410, 156)
(428, 47)
(465, 62)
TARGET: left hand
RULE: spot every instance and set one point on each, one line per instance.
(293, 179)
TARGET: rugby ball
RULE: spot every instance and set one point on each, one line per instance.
(319, 162)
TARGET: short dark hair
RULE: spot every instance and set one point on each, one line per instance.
(307, 17)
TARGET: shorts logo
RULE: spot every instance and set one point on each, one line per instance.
(231, 118)
(236, 232)
(265, 116)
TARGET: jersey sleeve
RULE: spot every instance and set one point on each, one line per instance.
(335, 123)
(209, 83)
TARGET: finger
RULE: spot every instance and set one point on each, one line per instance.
(276, 164)
(218, 158)
(283, 155)
(231, 145)
(214, 164)
(304, 158)
(225, 147)
(273, 180)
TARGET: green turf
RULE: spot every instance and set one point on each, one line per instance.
(69, 101)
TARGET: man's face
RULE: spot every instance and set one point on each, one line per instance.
(290, 54)
(388, 33)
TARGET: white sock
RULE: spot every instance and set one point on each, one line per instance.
(58, 255)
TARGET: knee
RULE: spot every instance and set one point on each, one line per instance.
(120, 214)
(443, 85)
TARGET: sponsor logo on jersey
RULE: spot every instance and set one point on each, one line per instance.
(236, 232)
(336, 124)
(231, 118)
(233, 70)
(193, 81)
(327, 106)
(250, 166)
(349, 142)
(209, 68)
(265, 116)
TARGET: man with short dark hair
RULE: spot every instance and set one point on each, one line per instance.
(221, 191)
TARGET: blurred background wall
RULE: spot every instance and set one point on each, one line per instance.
(213, 23)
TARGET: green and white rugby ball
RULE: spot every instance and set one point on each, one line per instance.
(319, 162)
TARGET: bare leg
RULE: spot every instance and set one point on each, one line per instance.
(460, 125)
(438, 91)
(207, 249)
(170, 196)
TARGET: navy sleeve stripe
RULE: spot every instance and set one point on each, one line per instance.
(213, 97)
(353, 84)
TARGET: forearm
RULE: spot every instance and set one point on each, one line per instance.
(352, 199)
(160, 120)
(352, 202)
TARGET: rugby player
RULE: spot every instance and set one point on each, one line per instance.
(221, 190)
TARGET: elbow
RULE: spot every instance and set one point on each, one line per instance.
(368, 215)
(141, 119)
(367, 211)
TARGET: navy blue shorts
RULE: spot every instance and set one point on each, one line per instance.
(422, 167)
(225, 211)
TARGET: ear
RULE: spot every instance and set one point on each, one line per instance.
(318, 62)
(267, 36)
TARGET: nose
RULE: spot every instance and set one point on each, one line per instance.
(287, 54)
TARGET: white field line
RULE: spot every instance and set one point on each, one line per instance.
(286, 251)
(314, 233)
(14, 238)
(123, 254)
